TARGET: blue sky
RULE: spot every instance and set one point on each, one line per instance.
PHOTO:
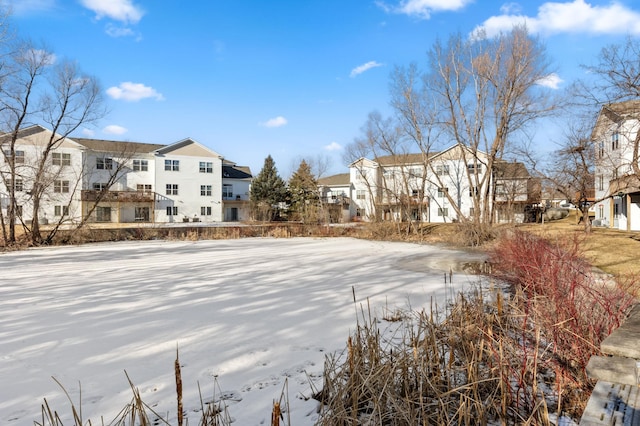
(293, 79)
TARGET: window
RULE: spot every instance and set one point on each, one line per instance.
(615, 173)
(140, 165)
(172, 165)
(600, 150)
(103, 214)
(205, 190)
(142, 214)
(146, 187)
(615, 141)
(227, 191)
(205, 211)
(474, 168)
(443, 211)
(172, 189)
(415, 193)
(361, 194)
(335, 194)
(442, 191)
(60, 159)
(600, 183)
(104, 163)
(172, 210)
(500, 189)
(99, 186)
(442, 169)
(206, 167)
(61, 210)
(18, 185)
(474, 191)
(61, 186)
(19, 211)
(19, 156)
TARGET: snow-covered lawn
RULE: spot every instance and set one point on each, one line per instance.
(251, 312)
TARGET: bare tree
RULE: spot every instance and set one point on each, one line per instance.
(489, 90)
(58, 94)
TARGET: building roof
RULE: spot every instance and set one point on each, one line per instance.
(615, 113)
(511, 170)
(101, 145)
(398, 159)
(236, 172)
(335, 180)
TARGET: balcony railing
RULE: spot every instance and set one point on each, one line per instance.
(119, 196)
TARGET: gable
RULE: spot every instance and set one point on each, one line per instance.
(189, 147)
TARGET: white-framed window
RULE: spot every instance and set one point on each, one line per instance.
(615, 141)
(140, 165)
(206, 167)
(205, 190)
(335, 194)
(19, 156)
(144, 187)
(205, 211)
(474, 191)
(172, 210)
(500, 189)
(60, 159)
(227, 191)
(442, 169)
(600, 150)
(172, 189)
(100, 186)
(172, 165)
(61, 211)
(600, 183)
(103, 214)
(18, 185)
(361, 194)
(443, 211)
(104, 163)
(615, 173)
(415, 193)
(61, 186)
(474, 168)
(442, 192)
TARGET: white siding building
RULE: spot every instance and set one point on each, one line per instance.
(123, 182)
(617, 192)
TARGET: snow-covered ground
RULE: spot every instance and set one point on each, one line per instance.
(251, 312)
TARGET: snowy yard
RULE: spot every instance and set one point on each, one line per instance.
(251, 312)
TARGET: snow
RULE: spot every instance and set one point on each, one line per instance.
(249, 313)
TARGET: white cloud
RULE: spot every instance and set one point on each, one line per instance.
(576, 16)
(88, 132)
(333, 146)
(133, 92)
(114, 129)
(278, 121)
(41, 56)
(364, 67)
(423, 8)
(116, 31)
(551, 81)
(23, 7)
(119, 10)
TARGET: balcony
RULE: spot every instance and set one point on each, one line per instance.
(118, 196)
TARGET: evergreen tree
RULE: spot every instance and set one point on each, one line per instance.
(268, 191)
(303, 188)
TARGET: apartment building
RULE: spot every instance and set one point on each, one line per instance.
(124, 182)
(438, 187)
(617, 178)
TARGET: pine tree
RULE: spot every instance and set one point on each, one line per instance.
(303, 188)
(268, 191)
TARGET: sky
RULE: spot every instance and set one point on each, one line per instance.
(291, 79)
(250, 312)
